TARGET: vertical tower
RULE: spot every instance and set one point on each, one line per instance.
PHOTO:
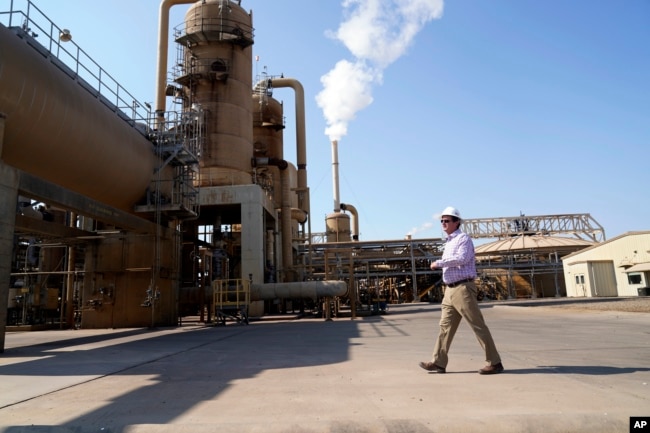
(268, 126)
(217, 78)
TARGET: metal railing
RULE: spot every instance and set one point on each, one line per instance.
(40, 32)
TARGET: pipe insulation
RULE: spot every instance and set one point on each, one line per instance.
(301, 289)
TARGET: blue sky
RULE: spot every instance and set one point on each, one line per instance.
(497, 108)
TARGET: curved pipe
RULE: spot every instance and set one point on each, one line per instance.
(286, 212)
(301, 140)
(355, 214)
(301, 289)
(301, 156)
(298, 215)
(163, 47)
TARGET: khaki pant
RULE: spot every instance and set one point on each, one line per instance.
(459, 303)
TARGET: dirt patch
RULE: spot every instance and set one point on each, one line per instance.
(631, 305)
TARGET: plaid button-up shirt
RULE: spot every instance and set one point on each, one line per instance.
(457, 262)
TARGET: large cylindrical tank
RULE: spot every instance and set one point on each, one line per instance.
(337, 227)
(60, 132)
(268, 125)
(218, 77)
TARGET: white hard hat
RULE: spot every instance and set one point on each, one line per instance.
(451, 211)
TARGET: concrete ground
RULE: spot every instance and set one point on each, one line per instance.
(567, 370)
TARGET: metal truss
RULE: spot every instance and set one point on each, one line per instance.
(582, 226)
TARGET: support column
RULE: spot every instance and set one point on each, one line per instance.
(252, 237)
(8, 197)
(67, 303)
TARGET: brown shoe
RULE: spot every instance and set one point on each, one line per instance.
(491, 369)
(430, 366)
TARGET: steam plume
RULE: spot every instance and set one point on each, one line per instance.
(424, 227)
(376, 32)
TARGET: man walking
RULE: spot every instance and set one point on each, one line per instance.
(459, 302)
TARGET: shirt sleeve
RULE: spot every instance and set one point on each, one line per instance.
(460, 252)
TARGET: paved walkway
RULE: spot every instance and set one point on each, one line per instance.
(566, 371)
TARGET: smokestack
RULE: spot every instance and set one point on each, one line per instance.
(335, 175)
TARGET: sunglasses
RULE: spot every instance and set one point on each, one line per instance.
(446, 221)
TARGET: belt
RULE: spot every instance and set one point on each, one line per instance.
(458, 283)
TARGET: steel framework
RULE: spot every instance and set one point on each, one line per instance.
(406, 262)
(581, 226)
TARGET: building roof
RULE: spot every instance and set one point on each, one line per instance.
(639, 267)
(599, 245)
(527, 243)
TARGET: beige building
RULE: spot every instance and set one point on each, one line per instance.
(617, 267)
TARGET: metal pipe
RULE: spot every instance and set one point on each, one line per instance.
(301, 139)
(335, 175)
(355, 214)
(163, 47)
(286, 212)
(270, 257)
(301, 289)
(67, 298)
(18, 274)
(285, 224)
(298, 215)
(301, 157)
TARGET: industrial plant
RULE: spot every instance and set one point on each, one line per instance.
(116, 213)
